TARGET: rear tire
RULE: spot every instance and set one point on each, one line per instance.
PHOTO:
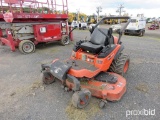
(121, 65)
(26, 47)
(65, 40)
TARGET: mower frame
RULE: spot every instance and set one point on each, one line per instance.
(94, 80)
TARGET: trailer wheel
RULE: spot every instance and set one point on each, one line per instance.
(65, 40)
(120, 65)
(80, 99)
(26, 47)
(48, 78)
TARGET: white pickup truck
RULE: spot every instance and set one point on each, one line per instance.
(75, 24)
(83, 25)
(136, 26)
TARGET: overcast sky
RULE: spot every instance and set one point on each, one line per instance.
(150, 8)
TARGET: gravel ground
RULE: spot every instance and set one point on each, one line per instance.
(24, 97)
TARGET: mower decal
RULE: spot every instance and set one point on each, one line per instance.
(111, 87)
(103, 86)
(109, 57)
(120, 84)
(57, 70)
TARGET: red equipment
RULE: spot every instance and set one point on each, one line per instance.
(29, 22)
(95, 68)
(153, 27)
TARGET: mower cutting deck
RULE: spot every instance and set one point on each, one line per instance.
(95, 68)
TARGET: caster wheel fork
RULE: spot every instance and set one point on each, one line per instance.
(102, 103)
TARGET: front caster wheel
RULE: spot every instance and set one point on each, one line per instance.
(48, 78)
(102, 103)
(80, 99)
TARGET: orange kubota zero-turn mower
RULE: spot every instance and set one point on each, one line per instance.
(96, 68)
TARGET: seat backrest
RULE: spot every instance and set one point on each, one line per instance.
(98, 37)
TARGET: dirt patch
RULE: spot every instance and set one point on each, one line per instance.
(13, 93)
(28, 90)
(36, 85)
(143, 87)
(83, 114)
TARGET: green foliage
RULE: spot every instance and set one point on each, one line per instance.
(34, 10)
(26, 10)
(74, 16)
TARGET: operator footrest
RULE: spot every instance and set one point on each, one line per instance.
(106, 77)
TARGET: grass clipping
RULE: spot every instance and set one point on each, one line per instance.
(142, 87)
(83, 114)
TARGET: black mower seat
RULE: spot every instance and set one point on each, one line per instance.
(88, 46)
(97, 41)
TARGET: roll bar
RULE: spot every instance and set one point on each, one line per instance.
(117, 17)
